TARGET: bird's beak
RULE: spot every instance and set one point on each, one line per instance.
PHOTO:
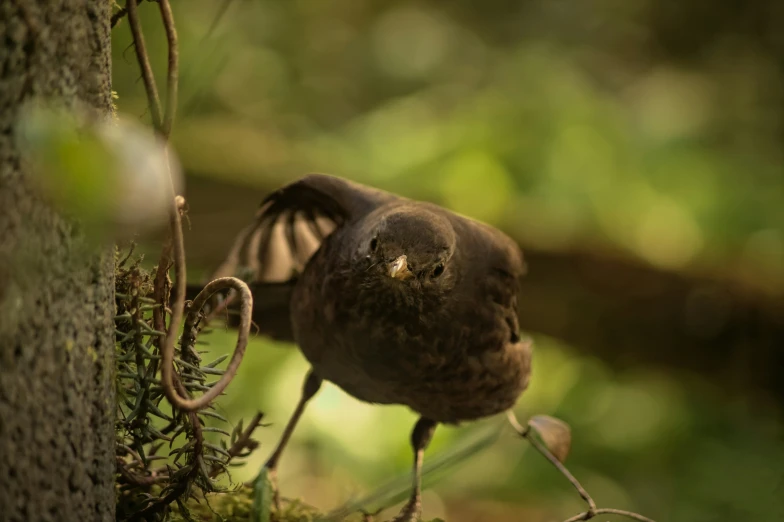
(399, 269)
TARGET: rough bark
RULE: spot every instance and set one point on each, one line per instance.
(56, 291)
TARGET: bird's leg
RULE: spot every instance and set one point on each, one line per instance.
(420, 439)
(309, 388)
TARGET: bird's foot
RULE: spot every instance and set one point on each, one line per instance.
(411, 512)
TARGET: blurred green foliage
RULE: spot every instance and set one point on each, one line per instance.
(560, 139)
(634, 126)
(110, 174)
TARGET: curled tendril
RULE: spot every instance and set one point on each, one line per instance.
(189, 338)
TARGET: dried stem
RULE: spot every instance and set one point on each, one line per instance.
(144, 63)
(174, 385)
(557, 463)
(527, 433)
(189, 337)
(172, 75)
(177, 243)
(243, 441)
(161, 291)
(116, 17)
(167, 351)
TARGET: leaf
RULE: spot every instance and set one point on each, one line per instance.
(262, 497)
(217, 361)
(214, 415)
(555, 434)
(211, 429)
(217, 449)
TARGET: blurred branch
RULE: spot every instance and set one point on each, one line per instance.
(628, 313)
(150, 88)
(528, 433)
(203, 461)
(164, 128)
(119, 15)
(242, 443)
(172, 76)
(173, 388)
(176, 242)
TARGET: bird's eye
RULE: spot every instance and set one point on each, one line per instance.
(373, 244)
(438, 270)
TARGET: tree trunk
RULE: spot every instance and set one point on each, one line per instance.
(56, 292)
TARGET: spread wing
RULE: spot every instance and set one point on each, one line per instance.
(289, 227)
(292, 223)
(493, 266)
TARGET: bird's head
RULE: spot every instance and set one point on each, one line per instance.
(410, 246)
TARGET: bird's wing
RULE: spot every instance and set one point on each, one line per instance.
(289, 227)
(503, 253)
(292, 223)
(492, 265)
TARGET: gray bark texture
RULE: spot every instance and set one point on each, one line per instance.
(56, 291)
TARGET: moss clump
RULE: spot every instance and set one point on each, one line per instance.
(235, 506)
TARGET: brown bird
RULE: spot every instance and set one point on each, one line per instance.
(393, 300)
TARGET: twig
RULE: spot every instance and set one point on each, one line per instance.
(526, 433)
(116, 17)
(243, 441)
(173, 68)
(161, 291)
(128, 255)
(565, 472)
(144, 64)
(130, 451)
(139, 480)
(174, 385)
(164, 128)
(170, 387)
(189, 337)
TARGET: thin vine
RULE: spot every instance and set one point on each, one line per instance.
(164, 458)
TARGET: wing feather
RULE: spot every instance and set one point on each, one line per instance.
(291, 224)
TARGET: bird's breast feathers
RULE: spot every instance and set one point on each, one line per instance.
(452, 356)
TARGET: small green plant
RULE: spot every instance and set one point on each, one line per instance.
(162, 453)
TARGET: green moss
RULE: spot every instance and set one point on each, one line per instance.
(235, 506)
